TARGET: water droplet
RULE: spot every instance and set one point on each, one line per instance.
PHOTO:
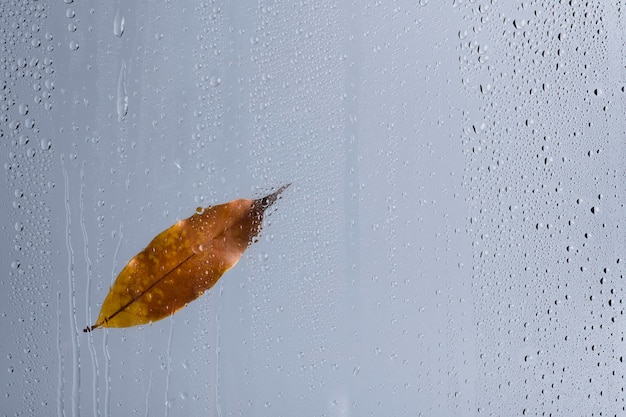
(74, 45)
(118, 24)
(479, 127)
(215, 81)
(519, 23)
(45, 144)
(23, 109)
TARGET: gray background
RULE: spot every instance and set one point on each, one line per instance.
(452, 243)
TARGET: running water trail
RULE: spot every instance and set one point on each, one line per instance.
(74, 330)
(217, 365)
(92, 349)
(168, 377)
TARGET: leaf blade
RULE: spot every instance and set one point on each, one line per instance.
(182, 262)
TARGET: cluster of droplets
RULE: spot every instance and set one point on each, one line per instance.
(209, 106)
(72, 25)
(25, 64)
(538, 179)
(25, 98)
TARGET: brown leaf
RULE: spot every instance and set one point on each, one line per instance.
(182, 262)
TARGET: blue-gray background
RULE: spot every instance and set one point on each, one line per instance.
(452, 244)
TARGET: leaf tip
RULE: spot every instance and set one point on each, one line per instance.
(267, 201)
(90, 328)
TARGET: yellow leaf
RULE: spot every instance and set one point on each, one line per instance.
(182, 262)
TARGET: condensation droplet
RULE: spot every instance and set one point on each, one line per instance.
(74, 45)
(519, 23)
(118, 24)
(45, 144)
(215, 81)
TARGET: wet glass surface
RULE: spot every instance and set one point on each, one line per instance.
(451, 244)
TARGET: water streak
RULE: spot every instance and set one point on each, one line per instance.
(122, 94)
(92, 348)
(168, 377)
(61, 382)
(148, 396)
(105, 347)
(72, 299)
(217, 365)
